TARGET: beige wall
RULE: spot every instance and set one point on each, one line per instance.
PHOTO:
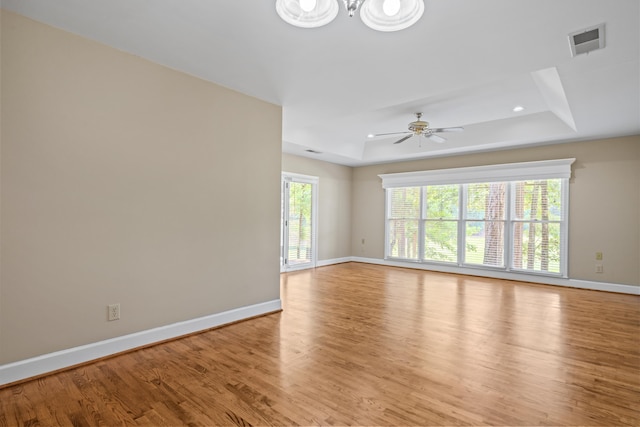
(334, 203)
(124, 181)
(604, 203)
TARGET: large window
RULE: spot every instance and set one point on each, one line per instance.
(518, 225)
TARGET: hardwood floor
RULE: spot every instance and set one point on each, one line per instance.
(370, 345)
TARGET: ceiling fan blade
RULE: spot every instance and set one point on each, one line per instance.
(392, 133)
(436, 138)
(403, 139)
(455, 129)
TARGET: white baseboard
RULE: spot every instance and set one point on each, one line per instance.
(545, 280)
(40, 365)
(326, 262)
(320, 263)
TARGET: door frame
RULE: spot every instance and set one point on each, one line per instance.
(286, 178)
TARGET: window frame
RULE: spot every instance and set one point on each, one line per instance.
(464, 220)
(564, 230)
(388, 220)
(425, 219)
(286, 178)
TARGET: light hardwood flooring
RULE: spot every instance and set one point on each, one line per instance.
(370, 345)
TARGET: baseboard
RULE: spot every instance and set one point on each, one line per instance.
(326, 262)
(36, 366)
(557, 281)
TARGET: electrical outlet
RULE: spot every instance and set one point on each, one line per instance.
(599, 268)
(113, 312)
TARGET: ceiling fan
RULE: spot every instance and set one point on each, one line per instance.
(421, 128)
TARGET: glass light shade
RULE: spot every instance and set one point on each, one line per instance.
(373, 15)
(308, 5)
(391, 7)
(291, 12)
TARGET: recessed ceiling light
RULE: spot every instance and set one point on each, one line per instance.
(518, 108)
(370, 135)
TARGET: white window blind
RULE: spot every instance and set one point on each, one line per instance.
(538, 212)
(484, 224)
(403, 219)
(441, 222)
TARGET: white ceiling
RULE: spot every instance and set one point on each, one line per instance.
(465, 63)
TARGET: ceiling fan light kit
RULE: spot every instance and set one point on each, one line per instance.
(380, 15)
(420, 128)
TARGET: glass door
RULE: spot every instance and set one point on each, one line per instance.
(298, 237)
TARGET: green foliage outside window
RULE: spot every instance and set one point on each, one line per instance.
(403, 225)
(441, 228)
(300, 221)
(536, 235)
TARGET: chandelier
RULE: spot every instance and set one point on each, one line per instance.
(381, 15)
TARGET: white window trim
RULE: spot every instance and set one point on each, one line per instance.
(545, 169)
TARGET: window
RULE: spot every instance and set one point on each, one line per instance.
(403, 222)
(516, 223)
(484, 224)
(441, 223)
(537, 225)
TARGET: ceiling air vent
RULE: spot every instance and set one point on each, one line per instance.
(586, 40)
